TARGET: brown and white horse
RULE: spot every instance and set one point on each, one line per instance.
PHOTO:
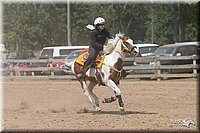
(110, 72)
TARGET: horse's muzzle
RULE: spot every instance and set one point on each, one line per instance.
(134, 52)
(131, 50)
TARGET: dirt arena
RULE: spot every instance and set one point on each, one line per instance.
(150, 105)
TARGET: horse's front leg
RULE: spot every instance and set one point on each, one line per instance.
(121, 103)
(117, 91)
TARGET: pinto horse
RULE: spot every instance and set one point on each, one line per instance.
(109, 74)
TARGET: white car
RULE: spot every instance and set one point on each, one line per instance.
(59, 52)
(146, 49)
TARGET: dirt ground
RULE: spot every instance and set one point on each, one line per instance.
(150, 105)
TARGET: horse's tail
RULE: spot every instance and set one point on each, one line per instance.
(72, 67)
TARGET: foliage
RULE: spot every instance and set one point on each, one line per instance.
(33, 25)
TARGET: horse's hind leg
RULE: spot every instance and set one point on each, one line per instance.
(85, 90)
(91, 96)
(117, 91)
(96, 101)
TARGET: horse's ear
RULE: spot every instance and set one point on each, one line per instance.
(120, 35)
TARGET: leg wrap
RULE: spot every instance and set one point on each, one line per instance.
(121, 104)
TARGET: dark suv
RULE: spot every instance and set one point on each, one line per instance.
(22, 55)
(177, 49)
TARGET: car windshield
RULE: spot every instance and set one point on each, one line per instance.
(164, 51)
(73, 55)
(66, 51)
(149, 49)
(47, 53)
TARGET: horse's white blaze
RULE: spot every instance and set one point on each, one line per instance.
(130, 41)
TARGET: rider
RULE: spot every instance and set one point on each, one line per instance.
(98, 38)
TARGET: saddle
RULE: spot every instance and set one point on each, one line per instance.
(98, 62)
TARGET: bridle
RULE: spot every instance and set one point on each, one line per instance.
(124, 47)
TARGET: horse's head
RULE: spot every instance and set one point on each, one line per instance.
(126, 44)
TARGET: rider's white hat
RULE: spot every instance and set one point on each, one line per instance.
(99, 20)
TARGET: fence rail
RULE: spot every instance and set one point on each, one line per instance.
(157, 67)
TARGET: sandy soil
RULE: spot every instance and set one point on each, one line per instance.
(42, 104)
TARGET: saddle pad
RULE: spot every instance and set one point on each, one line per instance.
(82, 58)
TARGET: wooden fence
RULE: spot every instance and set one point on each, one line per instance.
(157, 68)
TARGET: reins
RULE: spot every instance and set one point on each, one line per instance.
(119, 72)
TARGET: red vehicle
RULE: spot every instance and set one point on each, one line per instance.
(25, 55)
(69, 59)
(26, 65)
(73, 55)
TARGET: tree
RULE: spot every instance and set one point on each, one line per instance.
(33, 26)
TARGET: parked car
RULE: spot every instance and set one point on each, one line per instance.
(73, 55)
(146, 49)
(143, 50)
(3, 50)
(171, 50)
(22, 55)
(3, 65)
(66, 63)
(27, 65)
(59, 52)
(3, 61)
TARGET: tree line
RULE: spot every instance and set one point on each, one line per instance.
(31, 26)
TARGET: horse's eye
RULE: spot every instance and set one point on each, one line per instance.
(126, 43)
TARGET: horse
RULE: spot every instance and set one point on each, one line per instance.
(109, 74)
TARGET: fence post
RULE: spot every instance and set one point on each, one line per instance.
(17, 73)
(51, 69)
(11, 67)
(194, 66)
(158, 67)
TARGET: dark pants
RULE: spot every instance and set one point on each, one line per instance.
(92, 57)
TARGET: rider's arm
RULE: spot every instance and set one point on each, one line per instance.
(94, 41)
(108, 34)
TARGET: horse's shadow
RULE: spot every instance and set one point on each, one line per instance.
(120, 112)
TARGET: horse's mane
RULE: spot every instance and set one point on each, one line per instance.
(119, 35)
(112, 42)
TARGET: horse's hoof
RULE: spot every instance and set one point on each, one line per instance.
(121, 109)
(98, 109)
